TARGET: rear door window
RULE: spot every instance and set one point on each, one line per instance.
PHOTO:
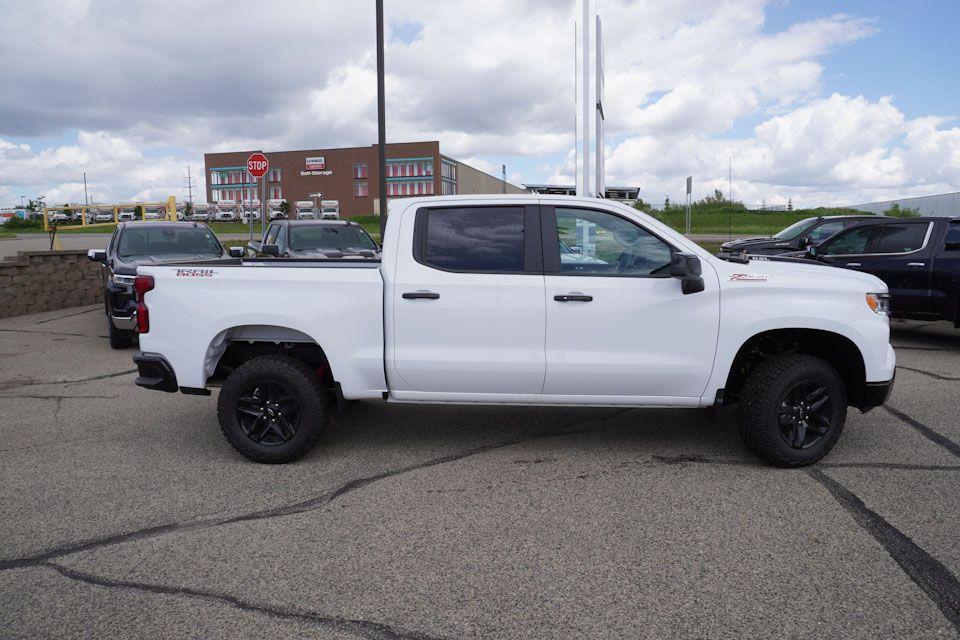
(953, 237)
(473, 239)
(902, 238)
(272, 234)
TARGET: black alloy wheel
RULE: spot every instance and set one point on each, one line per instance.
(806, 415)
(269, 413)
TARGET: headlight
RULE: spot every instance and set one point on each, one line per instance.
(879, 303)
(128, 280)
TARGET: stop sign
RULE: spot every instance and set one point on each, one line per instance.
(258, 165)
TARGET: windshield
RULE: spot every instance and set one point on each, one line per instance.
(796, 229)
(351, 238)
(170, 241)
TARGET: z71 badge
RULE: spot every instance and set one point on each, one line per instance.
(748, 277)
(195, 273)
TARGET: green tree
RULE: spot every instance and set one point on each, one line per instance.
(666, 203)
(285, 208)
(641, 205)
(188, 210)
(895, 211)
(138, 212)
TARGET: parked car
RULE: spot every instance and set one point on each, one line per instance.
(918, 259)
(225, 214)
(58, 217)
(796, 237)
(139, 243)
(472, 303)
(316, 239)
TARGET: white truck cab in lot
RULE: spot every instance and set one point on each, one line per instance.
(525, 300)
(304, 209)
(329, 209)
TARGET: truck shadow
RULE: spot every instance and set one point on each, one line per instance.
(910, 334)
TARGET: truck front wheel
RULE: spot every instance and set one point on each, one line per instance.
(272, 409)
(792, 410)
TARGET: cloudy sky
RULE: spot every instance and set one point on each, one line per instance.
(817, 101)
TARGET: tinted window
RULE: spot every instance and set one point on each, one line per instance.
(795, 230)
(901, 238)
(852, 242)
(475, 239)
(154, 241)
(953, 237)
(825, 230)
(600, 243)
(337, 238)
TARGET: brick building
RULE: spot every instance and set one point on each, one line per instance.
(348, 175)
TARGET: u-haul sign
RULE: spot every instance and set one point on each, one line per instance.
(316, 163)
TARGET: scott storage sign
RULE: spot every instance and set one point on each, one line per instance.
(316, 163)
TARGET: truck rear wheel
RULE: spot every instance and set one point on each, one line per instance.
(273, 409)
(792, 410)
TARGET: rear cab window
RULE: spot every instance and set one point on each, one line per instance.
(902, 237)
(477, 239)
(953, 237)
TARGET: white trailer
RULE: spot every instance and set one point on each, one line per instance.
(304, 209)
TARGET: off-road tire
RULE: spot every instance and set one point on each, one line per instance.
(119, 339)
(760, 398)
(305, 385)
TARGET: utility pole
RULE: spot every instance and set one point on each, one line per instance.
(189, 187)
(86, 200)
(381, 124)
(503, 183)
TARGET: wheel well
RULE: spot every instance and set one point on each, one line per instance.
(233, 347)
(834, 348)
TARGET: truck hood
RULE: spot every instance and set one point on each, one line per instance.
(824, 276)
(750, 243)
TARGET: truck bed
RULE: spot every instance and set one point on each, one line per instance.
(197, 308)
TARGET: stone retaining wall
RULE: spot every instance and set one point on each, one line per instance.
(36, 281)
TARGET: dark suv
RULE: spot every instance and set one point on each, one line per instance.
(796, 237)
(136, 243)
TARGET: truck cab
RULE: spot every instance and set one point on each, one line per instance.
(226, 211)
(250, 211)
(275, 209)
(329, 209)
(304, 210)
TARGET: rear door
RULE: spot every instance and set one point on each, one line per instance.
(618, 326)
(945, 294)
(468, 308)
(902, 259)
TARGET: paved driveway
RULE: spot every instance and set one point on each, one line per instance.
(124, 514)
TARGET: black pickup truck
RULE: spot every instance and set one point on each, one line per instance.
(318, 239)
(796, 237)
(918, 258)
(134, 244)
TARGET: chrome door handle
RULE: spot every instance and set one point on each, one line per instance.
(916, 264)
(573, 297)
(853, 264)
(421, 295)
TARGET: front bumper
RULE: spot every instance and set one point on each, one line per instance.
(876, 393)
(155, 372)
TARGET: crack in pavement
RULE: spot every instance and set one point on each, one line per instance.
(361, 628)
(69, 315)
(33, 382)
(58, 397)
(50, 333)
(926, 431)
(934, 579)
(929, 373)
(301, 506)
(906, 348)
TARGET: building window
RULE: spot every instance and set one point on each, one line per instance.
(360, 189)
(448, 188)
(277, 193)
(274, 175)
(449, 170)
(360, 170)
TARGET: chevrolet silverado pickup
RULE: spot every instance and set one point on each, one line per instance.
(519, 300)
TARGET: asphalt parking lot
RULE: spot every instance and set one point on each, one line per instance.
(125, 514)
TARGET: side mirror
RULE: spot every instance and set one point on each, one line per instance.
(811, 251)
(804, 242)
(237, 252)
(686, 268)
(270, 249)
(576, 250)
(97, 255)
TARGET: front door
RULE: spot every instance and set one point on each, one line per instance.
(903, 261)
(468, 310)
(618, 326)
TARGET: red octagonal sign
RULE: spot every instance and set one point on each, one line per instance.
(257, 165)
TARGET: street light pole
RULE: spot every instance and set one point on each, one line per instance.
(381, 124)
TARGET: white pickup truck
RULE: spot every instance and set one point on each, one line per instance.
(524, 300)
